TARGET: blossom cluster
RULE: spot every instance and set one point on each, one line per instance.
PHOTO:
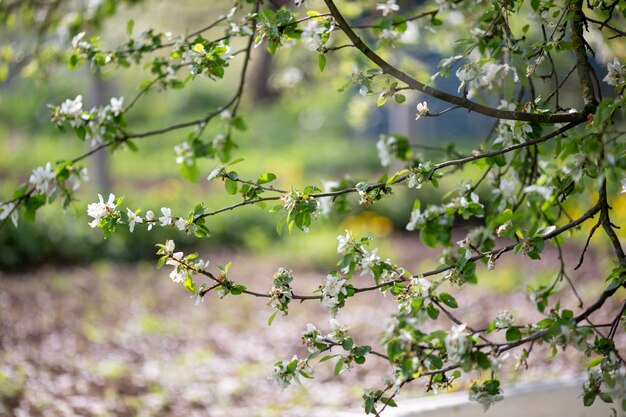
(333, 292)
(476, 76)
(286, 373)
(486, 394)
(106, 216)
(616, 73)
(418, 176)
(184, 267)
(458, 343)
(503, 320)
(98, 125)
(281, 293)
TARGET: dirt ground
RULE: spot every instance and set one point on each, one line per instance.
(124, 340)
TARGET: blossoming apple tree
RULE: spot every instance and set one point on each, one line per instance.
(545, 152)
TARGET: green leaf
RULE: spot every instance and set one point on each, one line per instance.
(304, 374)
(448, 300)
(388, 401)
(594, 362)
(400, 98)
(231, 186)
(73, 62)
(433, 312)
(513, 334)
(362, 350)
(237, 289)
(347, 343)
(339, 365)
(129, 27)
(483, 360)
(396, 176)
(189, 172)
(265, 178)
(131, 146)
(321, 61)
(190, 285)
(161, 262)
(291, 366)
(605, 397)
(234, 161)
(589, 398)
(239, 124)
(271, 319)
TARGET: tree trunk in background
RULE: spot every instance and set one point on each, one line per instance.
(260, 90)
(99, 173)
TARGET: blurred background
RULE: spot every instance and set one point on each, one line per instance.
(90, 327)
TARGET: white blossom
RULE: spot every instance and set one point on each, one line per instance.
(623, 186)
(544, 191)
(215, 173)
(493, 74)
(9, 209)
(483, 397)
(226, 115)
(310, 337)
(41, 178)
(184, 153)
(504, 320)
(181, 224)
(344, 242)
(199, 299)
(503, 228)
(77, 41)
(312, 34)
(384, 146)
(281, 293)
(465, 244)
(76, 178)
(282, 376)
(455, 276)
(337, 331)
(325, 203)
(228, 54)
(101, 209)
(457, 343)
(150, 219)
(388, 7)
(333, 286)
(419, 217)
(389, 34)
(166, 219)
(218, 142)
(369, 261)
(420, 285)
(132, 219)
(179, 273)
(72, 108)
(616, 72)
(117, 105)
(170, 246)
(422, 110)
